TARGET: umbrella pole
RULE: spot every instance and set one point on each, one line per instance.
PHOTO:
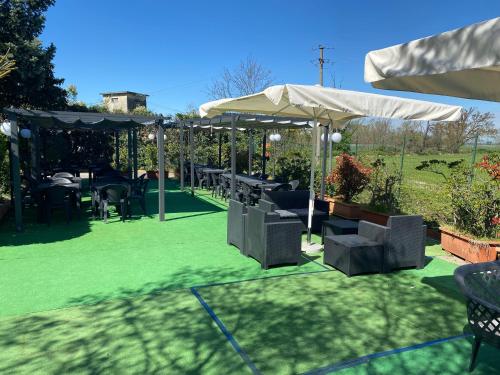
(311, 183)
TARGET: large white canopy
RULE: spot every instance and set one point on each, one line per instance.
(463, 62)
(328, 104)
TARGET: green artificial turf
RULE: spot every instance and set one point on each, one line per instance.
(89, 261)
(165, 333)
(448, 358)
(298, 323)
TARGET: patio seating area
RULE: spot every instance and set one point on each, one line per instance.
(178, 299)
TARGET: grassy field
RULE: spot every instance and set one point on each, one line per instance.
(422, 191)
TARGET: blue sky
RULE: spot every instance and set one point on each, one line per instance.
(172, 50)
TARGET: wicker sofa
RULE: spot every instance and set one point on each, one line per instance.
(236, 221)
(294, 205)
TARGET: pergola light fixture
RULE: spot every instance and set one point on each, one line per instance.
(275, 137)
(336, 137)
(5, 128)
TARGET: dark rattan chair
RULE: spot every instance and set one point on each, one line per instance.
(270, 240)
(139, 191)
(118, 196)
(57, 196)
(480, 283)
(236, 221)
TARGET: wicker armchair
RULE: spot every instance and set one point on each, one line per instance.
(404, 245)
(480, 283)
(399, 244)
(270, 240)
(236, 221)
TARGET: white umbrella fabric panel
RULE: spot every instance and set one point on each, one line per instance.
(464, 63)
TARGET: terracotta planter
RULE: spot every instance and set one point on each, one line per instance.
(4, 209)
(466, 248)
(346, 210)
(374, 217)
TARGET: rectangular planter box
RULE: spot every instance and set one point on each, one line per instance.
(345, 210)
(374, 217)
(471, 250)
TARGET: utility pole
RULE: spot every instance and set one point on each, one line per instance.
(321, 62)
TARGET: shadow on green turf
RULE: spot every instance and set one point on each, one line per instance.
(177, 204)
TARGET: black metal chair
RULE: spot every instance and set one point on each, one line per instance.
(202, 180)
(250, 194)
(57, 196)
(118, 196)
(294, 184)
(138, 193)
(480, 283)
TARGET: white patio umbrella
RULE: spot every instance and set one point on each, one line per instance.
(463, 62)
(324, 105)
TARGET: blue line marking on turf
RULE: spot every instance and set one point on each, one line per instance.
(259, 278)
(226, 333)
(367, 358)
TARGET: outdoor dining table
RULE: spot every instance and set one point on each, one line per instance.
(39, 189)
(253, 181)
(209, 172)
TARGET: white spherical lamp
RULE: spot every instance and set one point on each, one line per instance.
(336, 137)
(271, 137)
(151, 136)
(164, 137)
(5, 128)
(25, 133)
(277, 137)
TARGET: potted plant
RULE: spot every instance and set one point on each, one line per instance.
(349, 178)
(472, 230)
(384, 199)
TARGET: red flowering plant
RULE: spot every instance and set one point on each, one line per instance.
(350, 177)
(491, 164)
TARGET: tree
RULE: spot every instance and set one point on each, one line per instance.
(471, 123)
(247, 78)
(32, 84)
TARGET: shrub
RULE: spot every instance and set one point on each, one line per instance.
(295, 166)
(350, 177)
(382, 186)
(475, 204)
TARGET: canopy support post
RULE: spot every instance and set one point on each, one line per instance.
(323, 161)
(233, 157)
(264, 140)
(191, 156)
(161, 170)
(311, 182)
(117, 149)
(134, 145)
(330, 153)
(15, 172)
(35, 153)
(220, 149)
(250, 151)
(129, 153)
(181, 155)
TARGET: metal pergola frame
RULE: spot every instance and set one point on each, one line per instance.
(86, 121)
(233, 122)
